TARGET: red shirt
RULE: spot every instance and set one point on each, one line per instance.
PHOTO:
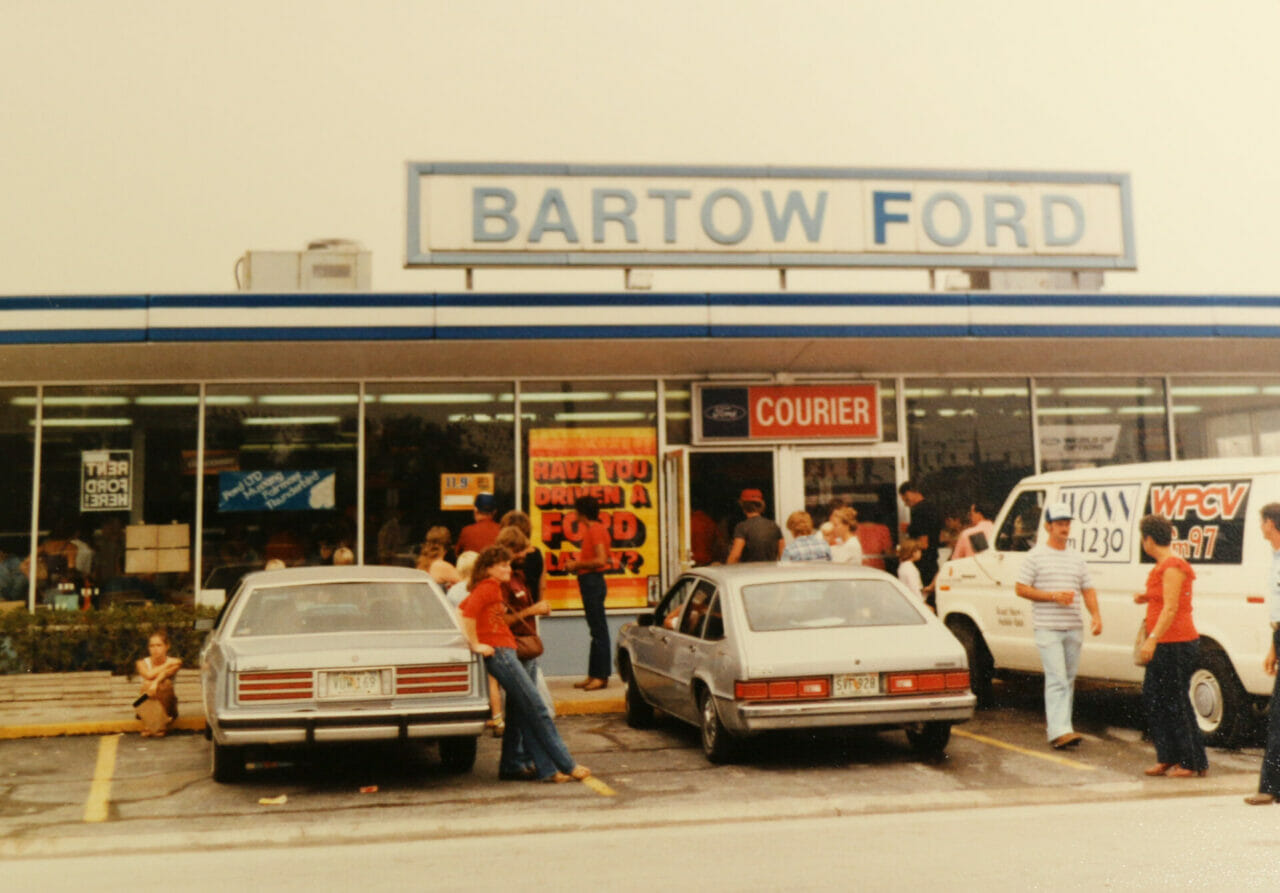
(1182, 629)
(486, 607)
(597, 535)
(478, 536)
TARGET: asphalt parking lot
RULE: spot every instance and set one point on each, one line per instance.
(67, 794)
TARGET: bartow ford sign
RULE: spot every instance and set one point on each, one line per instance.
(580, 215)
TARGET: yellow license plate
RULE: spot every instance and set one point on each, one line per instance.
(855, 685)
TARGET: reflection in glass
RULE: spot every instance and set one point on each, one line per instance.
(1087, 423)
(1223, 417)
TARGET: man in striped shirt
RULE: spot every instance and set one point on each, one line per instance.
(1056, 579)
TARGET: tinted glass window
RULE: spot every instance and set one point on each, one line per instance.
(341, 607)
(821, 604)
(1018, 532)
(696, 612)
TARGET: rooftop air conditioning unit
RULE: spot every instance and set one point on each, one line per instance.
(326, 265)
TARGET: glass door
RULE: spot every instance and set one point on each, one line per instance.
(862, 478)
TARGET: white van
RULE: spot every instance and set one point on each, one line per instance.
(1214, 506)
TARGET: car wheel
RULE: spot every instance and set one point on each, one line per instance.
(458, 754)
(226, 762)
(717, 743)
(929, 738)
(981, 666)
(639, 711)
(1219, 700)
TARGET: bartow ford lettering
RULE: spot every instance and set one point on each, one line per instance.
(512, 213)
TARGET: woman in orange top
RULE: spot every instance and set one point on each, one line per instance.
(528, 720)
(1169, 652)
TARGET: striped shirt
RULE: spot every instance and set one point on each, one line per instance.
(1055, 570)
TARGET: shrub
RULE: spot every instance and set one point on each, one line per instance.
(112, 639)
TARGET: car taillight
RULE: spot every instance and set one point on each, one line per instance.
(284, 686)
(438, 679)
(783, 689)
(926, 683)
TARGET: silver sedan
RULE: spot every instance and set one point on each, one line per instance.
(328, 654)
(744, 649)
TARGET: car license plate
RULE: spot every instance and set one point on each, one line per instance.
(347, 684)
(855, 685)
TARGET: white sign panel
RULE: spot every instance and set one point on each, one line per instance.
(477, 214)
(1103, 528)
(1078, 443)
(106, 480)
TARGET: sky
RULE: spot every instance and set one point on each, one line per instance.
(149, 144)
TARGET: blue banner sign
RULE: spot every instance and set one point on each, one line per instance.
(276, 491)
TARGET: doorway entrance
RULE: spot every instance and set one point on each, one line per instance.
(863, 478)
(715, 481)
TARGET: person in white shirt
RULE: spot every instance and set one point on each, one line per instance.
(1055, 578)
(845, 547)
(908, 573)
(979, 522)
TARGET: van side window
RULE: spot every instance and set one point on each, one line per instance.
(1018, 532)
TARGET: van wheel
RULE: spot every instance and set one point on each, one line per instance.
(1218, 699)
(981, 666)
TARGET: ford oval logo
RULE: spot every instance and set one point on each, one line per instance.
(724, 412)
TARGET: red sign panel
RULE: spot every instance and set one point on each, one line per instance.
(814, 411)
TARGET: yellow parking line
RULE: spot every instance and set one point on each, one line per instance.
(95, 810)
(599, 786)
(1051, 757)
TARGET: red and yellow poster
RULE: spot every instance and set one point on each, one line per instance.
(617, 467)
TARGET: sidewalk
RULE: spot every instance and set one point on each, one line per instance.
(46, 705)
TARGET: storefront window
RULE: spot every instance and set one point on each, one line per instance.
(678, 412)
(279, 476)
(969, 440)
(598, 439)
(117, 493)
(17, 436)
(429, 448)
(1091, 422)
(1223, 417)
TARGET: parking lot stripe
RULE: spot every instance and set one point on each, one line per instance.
(599, 786)
(1051, 757)
(95, 809)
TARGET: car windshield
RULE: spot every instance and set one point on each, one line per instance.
(823, 604)
(341, 607)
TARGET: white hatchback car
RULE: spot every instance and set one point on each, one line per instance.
(744, 649)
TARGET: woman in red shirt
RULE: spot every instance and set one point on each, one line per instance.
(1169, 652)
(528, 720)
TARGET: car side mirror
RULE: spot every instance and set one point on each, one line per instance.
(645, 620)
(978, 541)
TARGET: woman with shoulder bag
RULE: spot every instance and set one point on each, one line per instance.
(528, 721)
(1169, 653)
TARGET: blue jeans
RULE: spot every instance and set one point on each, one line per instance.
(519, 756)
(529, 723)
(1060, 657)
(1269, 780)
(594, 589)
(1170, 716)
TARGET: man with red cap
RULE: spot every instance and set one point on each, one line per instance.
(757, 538)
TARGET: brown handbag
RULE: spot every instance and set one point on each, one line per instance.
(528, 647)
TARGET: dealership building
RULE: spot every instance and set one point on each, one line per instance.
(182, 438)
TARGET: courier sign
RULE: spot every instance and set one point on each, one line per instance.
(737, 413)
(566, 215)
